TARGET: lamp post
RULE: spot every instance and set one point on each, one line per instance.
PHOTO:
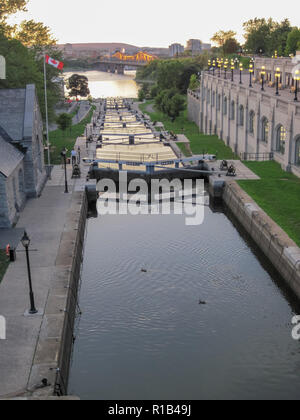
(225, 68)
(209, 65)
(241, 73)
(297, 79)
(26, 242)
(232, 70)
(251, 71)
(277, 76)
(219, 66)
(263, 73)
(214, 67)
(64, 156)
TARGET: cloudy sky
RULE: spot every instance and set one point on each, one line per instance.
(152, 23)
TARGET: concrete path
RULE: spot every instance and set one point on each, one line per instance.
(44, 220)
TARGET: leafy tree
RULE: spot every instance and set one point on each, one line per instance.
(293, 41)
(154, 91)
(220, 38)
(176, 106)
(10, 7)
(32, 33)
(23, 67)
(194, 83)
(266, 36)
(231, 46)
(78, 85)
(64, 121)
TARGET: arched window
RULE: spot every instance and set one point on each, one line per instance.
(219, 103)
(225, 106)
(241, 116)
(297, 160)
(265, 130)
(214, 99)
(232, 110)
(280, 139)
(251, 122)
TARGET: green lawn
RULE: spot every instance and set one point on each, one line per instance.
(3, 264)
(60, 139)
(278, 194)
(200, 143)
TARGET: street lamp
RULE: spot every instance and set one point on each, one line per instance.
(219, 66)
(225, 68)
(232, 70)
(241, 72)
(209, 65)
(64, 156)
(277, 76)
(26, 242)
(251, 71)
(297, 79)
(263, 73)
(214, 67)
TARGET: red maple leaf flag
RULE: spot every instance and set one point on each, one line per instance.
(54, 63)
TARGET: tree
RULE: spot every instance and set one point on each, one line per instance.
(78, 85)
(177, 105)
(64, 121)
(10, 7)
(231, 46)
(23, 67)
(266, 36)
(293, 41)
(220, 38)
(194, 83)
(32, 33)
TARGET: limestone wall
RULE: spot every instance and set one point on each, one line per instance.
(283, 253)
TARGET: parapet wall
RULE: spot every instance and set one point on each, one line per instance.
(283, 253)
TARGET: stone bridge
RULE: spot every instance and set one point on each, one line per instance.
(117, 66)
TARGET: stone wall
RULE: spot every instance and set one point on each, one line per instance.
(283, 253)
(226, 109)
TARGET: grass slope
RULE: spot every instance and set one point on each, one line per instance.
(278, 194)
(200, 143)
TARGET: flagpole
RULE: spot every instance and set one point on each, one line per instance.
(47, 120)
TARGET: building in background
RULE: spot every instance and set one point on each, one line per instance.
(175, 50)
(195, 46)
(206, 47)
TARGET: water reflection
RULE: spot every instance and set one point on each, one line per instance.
(143, 335)
(103, 85)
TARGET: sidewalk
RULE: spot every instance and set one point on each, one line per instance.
(36, 338)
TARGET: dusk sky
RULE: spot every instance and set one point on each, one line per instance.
(156, 23)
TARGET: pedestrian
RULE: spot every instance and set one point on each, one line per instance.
(79, 155)
(73, 157)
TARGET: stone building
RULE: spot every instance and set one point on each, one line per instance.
(195, 46)
(256, 124)
(176, 49)
(22, 170)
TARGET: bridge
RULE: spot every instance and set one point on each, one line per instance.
(118, 62)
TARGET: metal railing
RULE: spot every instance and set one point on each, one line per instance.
(261, 157)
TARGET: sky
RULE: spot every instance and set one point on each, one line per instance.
(156, 23)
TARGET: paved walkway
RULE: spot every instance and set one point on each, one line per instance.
(44, 220)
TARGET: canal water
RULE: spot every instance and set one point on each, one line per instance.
(103, 85)
(144, 335)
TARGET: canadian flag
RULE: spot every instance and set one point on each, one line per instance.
(54, 63)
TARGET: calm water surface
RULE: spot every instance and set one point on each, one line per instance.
(145, 336)
(104, 85)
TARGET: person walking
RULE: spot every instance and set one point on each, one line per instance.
(78, 155)
(74, 157)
